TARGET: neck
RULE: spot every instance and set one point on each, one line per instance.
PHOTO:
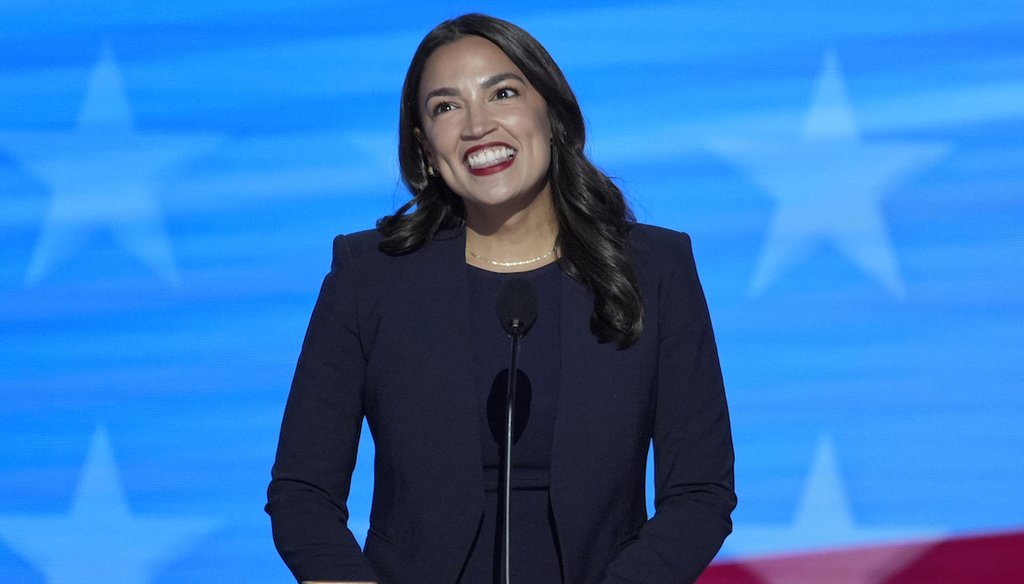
(524, 235)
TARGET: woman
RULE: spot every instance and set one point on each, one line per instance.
(404, 333)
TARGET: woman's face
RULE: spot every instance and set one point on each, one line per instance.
(484, 127)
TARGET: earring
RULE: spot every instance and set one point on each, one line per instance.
(431, 171)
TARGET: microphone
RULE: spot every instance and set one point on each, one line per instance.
(517, 306)
(517, 311)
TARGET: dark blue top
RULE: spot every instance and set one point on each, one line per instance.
(533, 554)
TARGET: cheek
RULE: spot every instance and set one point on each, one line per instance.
(544, 132)
(434, 140)
(545, 125)
(544, 135)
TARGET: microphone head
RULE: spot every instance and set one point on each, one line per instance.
(517, 306)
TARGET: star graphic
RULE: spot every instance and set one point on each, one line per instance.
(828, 184)
(103, 177)
(99, 540)
(824, 521)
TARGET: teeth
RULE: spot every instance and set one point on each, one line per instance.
(490, 156)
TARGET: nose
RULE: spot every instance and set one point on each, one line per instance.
(479, 122)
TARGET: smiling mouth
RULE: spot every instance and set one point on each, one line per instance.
(490, 157)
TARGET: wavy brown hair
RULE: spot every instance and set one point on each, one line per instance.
(593, 217)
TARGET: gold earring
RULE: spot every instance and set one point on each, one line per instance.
(431, 171)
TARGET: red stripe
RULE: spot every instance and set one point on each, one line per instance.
(988, 559)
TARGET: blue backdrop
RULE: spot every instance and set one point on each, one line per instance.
(172, 173)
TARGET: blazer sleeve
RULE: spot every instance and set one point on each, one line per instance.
(693, 453)
(319, 437)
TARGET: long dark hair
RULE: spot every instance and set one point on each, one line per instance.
(593, 217)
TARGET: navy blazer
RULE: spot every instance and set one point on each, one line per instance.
(389, 339)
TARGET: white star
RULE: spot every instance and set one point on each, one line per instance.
(828, 184)
(99, 540)
(823, 518)
(103, 177)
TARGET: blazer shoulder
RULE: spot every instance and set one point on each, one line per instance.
(358, 250)
(659, 244)
(359, 243)
(365, 245)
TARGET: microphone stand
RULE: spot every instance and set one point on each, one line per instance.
(518, 327)
(517, 310)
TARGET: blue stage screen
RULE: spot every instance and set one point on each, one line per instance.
(172, 174)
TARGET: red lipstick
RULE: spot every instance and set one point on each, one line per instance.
(500, 158)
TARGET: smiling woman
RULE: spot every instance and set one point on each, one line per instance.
(404, 335)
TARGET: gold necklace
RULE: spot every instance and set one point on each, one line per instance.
(513, 264)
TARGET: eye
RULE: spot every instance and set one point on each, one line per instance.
(441, 107)
(505, 93)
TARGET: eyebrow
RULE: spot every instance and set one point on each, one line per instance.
(488, 82)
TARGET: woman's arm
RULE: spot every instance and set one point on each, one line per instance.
(693, 454)
(316, 453)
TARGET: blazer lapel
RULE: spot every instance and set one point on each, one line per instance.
(459, 498)
(454, 349)
(569, 449)
(599, 428)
